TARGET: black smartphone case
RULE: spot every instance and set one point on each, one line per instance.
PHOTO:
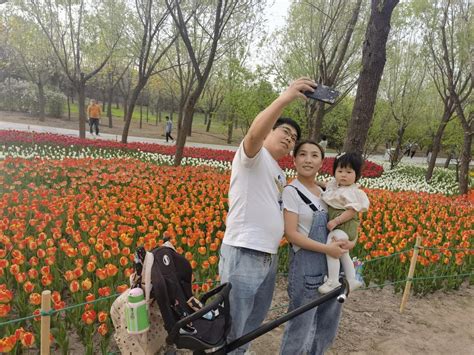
(323, 93)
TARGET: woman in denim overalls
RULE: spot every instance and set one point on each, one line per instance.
(305, 228)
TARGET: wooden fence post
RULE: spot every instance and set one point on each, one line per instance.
(411, 271)
(45, 322)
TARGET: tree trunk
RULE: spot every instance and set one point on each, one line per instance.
(206, 114)
(187, 122)
(437, 141)
(316, 122)
(190, 127)
(395, 158)
(230, 128)
(147, 111)
(41, 100)
(141, 116)
(448, 160)
(104, 101)
(209, 120)
(81, 92)
(109, 106)
(373, 63)
(125, 109)
(465, 157)
(129, 113)
(68, 108)
(117, 105)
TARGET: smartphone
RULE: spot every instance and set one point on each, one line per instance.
(323, 93)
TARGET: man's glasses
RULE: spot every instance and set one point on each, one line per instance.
(288, 133)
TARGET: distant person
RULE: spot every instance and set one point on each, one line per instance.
(413, 150)
(345, 201)
(93, 113)
(324, 142)
(168, 129)
(408, 149)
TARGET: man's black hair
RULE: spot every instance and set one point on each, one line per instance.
(351, 160)
(291, 122)
(298, 146)
(323, 137)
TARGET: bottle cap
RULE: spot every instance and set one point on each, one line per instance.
(135, 295)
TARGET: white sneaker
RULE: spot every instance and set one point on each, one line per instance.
(354, 284)
(328, 286)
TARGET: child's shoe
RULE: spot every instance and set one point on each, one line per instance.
(328, 286)
(354, 284)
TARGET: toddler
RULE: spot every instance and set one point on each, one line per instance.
(345, 200)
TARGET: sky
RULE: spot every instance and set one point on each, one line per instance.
(276, 13)
(275, 18)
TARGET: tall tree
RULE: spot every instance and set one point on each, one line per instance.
(152, 37)
(321, 39)
(33, 61)
(82, 38)
(213, 18)
(212, 98)
(456, 42)
(403, 80)
(373, 62)
(449, 38)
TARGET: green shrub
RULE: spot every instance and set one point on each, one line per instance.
(22, 96)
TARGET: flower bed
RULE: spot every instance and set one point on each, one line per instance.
(72, 226)
(40, 143)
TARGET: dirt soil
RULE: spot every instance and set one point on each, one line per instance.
(371, 323)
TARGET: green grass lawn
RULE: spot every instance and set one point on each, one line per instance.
(217, 126)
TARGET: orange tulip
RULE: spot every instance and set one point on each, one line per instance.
(102, 316)
(35, 299)
(5, 295)
(74, 286)
(88, 317)
(102, 329)
(4, 310)
(86, 284)
(27, 339)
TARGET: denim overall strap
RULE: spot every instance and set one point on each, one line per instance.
(313, 331)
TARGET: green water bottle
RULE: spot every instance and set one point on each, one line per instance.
(136, 312)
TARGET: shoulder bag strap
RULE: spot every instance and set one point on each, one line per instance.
(305, 199)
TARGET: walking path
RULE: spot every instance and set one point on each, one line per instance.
(114, 137)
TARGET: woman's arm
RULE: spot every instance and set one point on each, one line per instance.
(333, 249)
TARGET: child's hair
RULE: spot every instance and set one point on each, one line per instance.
(307, 141)
(351, 160)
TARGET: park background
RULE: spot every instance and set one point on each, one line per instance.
(75, 206)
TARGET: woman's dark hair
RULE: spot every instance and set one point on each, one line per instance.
(307, 141)
(351, 160)
(291, 122)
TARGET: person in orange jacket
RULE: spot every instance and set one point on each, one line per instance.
(93, 113)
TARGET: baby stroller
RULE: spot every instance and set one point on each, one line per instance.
(202, 325)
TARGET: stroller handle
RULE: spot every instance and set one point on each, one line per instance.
(340, 293)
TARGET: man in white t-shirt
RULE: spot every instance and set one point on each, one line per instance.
(254, 225)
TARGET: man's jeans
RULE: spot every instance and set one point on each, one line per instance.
(94, 122)
(252, 274)
(311, 332)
